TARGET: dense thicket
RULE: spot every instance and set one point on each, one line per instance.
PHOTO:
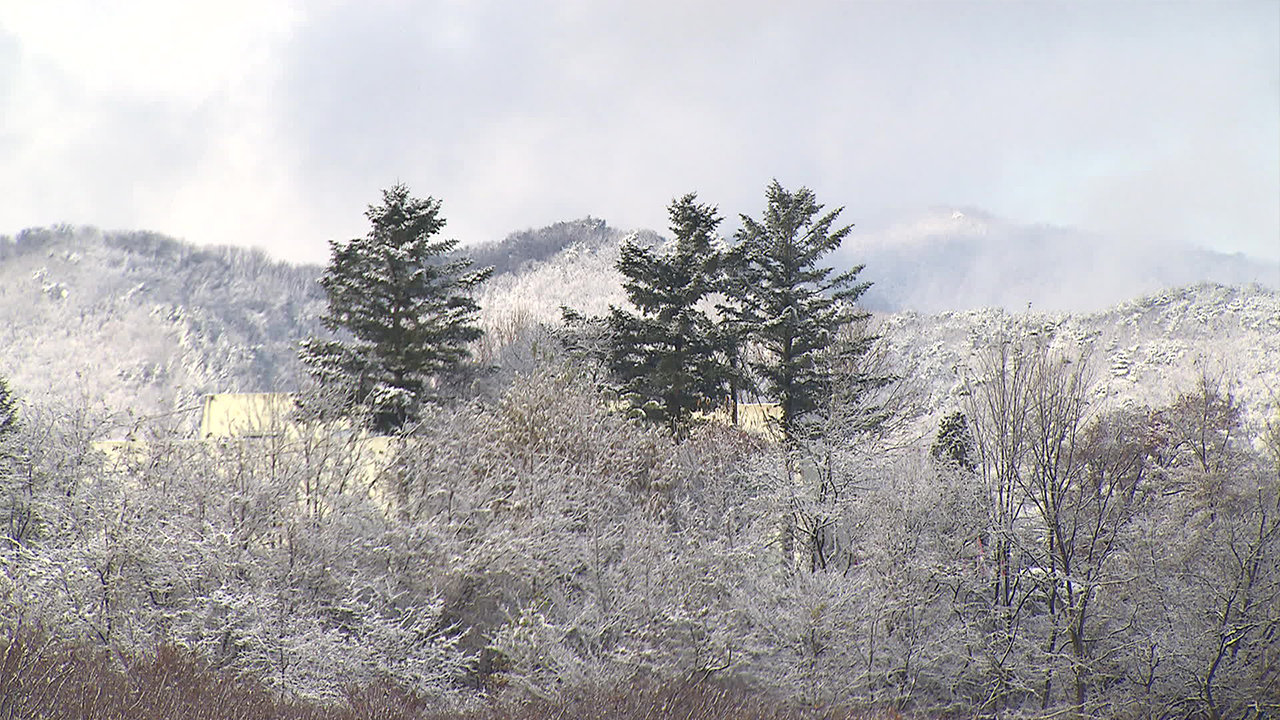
(541, 543)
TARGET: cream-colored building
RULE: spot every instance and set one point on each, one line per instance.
(246, 415)
(328, 458)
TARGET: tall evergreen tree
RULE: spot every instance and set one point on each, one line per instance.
(954, 443)
(790, 306)
(8, 409)
(403, 311)
(670, 357)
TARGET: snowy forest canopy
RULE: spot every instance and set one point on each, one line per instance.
(1029, 542)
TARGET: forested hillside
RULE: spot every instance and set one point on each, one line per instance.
(540, 544)
(146, 323)
(143, 322)
(979, 513)
(1143, 351)
(1145, 346)
(149, 323)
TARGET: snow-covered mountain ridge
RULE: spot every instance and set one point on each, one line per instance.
(143, 322)
(148, 323)
(1143, 351)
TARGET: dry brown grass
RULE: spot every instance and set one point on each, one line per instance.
(666, 701)
(47, 680)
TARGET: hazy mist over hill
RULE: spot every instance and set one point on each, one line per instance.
(960, 259)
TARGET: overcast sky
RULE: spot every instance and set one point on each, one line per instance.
(274, 124)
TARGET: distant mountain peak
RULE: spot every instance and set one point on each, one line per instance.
(925, 228)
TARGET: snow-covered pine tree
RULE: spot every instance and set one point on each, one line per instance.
(953, 444)
(402, 309)
(789, 306)
(670, 357)
(8, 409)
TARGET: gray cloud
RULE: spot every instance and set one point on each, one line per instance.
(1149, 121)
